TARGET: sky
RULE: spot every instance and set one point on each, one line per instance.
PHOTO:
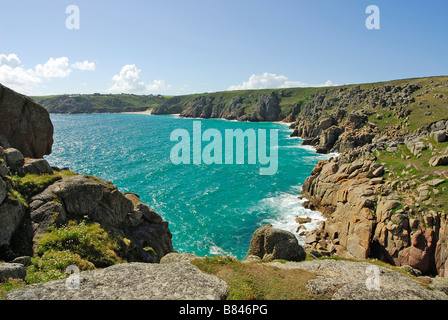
(176, 47)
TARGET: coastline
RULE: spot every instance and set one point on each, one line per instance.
(138, 112)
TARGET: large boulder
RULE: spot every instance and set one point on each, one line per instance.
(12, 271)
(25, 124)
(35, 166)
(3, 191)
(131, 281)
(438, 161)
(420, 255)
(270, 243)
(80, 197)
(12, 213)
(14, 158)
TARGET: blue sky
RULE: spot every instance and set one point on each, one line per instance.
(189, 46)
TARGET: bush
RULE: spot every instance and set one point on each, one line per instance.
(52, 266)
(88, 240)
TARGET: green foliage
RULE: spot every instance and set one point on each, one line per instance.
(10, 284)
(88, 240)
(52, 265)
(99, 103)
(32, 184)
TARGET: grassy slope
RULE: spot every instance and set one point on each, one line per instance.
(290, 98)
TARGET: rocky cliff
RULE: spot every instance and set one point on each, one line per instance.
(25, 124)
(46, 212)
(384, 196)
(260, 107)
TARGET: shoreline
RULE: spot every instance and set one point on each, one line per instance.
(149, 112)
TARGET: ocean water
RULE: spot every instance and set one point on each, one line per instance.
(211, 208)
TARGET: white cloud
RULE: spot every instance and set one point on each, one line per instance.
(84, 66)
(54, 68)
(271, 81)
(15, 76)
(157, 85)
(129, 81)
(10, 60)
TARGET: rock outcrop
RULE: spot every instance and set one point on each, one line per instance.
(366, 216)
(54, 198)
(131, 281)
(270, 243)
(348, 280)
(25, 124)
(267, 108)
(86, 197)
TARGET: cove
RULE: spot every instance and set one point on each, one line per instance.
(211, 208)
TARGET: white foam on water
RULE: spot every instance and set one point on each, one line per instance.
(284, 208)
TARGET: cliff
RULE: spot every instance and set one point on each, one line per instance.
(99, 103)
(59, 217)
(384, 196)
(25, 124)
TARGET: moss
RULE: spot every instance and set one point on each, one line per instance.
(52, 265)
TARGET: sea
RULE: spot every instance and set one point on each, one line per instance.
(212, 208)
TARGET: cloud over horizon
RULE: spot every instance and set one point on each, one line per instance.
(15, 76)
(128, 80)
(272, 81)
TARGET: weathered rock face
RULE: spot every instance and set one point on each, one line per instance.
(132, 281)
(366, 217)
(76, 197)
(79, 197)
(267, 108)
(12, 271)
(441, 251)
(25, 124)
(269, 243)
(348, 280)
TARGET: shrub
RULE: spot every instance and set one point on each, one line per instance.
(91, 242)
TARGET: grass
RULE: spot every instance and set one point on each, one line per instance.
(397, 165)
(9, 285)
(88, 240)
(256, 281)
(84, 245)
(31, 184)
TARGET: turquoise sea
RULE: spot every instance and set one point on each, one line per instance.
(211, 208)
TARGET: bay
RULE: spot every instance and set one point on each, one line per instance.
(211, 208)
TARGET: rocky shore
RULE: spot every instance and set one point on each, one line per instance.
(384, 196)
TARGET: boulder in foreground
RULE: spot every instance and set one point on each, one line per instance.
(132, 281)
(270, 243)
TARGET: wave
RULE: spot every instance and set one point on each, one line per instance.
(284, 208)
